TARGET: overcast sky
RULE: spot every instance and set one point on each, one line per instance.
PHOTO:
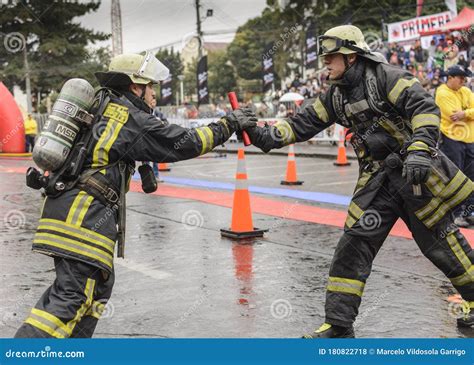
(150, 23)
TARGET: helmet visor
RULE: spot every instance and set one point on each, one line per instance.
(152, 69)
(328, 45)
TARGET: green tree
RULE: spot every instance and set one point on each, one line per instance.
(172, 60)
(221, 74)
(57, 46)
(190, 81)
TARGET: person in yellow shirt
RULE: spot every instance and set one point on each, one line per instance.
(456, 103)
(31, 130)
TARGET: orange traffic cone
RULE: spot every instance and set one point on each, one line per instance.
(341, 152)
(291, 168)
(163, 167)
(242, 224)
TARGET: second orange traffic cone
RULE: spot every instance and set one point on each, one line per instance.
(163, 167)
(291, 168)
(242, 224)
(341, 152)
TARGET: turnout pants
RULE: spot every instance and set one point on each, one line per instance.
(72, 305)
(443, 245)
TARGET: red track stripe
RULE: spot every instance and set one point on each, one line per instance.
(277, 208)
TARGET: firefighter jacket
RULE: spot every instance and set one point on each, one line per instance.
(389, 113)
(78, 226)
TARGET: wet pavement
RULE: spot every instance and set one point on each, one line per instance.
(181, 279)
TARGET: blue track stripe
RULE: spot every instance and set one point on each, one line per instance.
(296, 194)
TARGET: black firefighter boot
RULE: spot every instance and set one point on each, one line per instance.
(467, 319)
(331, 331)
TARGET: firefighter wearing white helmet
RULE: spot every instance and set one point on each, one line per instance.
(78, 225)
(403, 174)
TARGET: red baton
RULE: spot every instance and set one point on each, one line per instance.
(234, 103)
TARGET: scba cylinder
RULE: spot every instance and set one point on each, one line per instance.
(69, 113)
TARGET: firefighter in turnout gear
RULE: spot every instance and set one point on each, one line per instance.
(78, 227)
(395, 125)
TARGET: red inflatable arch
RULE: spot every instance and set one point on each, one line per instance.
(12, 129)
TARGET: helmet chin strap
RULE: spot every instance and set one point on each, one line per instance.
(346, 62)
(142, 96)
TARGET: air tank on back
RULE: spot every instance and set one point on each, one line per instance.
(63, 124)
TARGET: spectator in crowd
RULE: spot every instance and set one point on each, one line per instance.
(31, 130)
(439, 57)
(456, 103)
(462, 61)
(451, 57)
(421, 55)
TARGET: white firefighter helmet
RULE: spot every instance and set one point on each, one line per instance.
(345, 39)
(133, 68)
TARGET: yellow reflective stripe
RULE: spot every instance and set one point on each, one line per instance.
(401, 85)
(207, 138)
(424, 120)
(74, 246)
(401, 135)
(320, 110)
(203, 139)
(53, 319)
(89, 292)
(224, 121)
(466, 278)
(287, 134)
(461, 195)
(435, 184)
(350, 221)
(458, 251)
(418, 146)
(117, 127)
(342, 289)
(108, 247)
(116, 112)
(84, 210)
(36, 323)
(96, 309)
(79, 232)
(344, 285)
(355, 210)
(118, 115)
(75, 204)
(451, 187)
(97, 159)
(357, 283)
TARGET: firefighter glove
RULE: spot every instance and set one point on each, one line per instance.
(417, 167)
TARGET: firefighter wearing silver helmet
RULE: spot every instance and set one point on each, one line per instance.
(78, 228)
(403, 174)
